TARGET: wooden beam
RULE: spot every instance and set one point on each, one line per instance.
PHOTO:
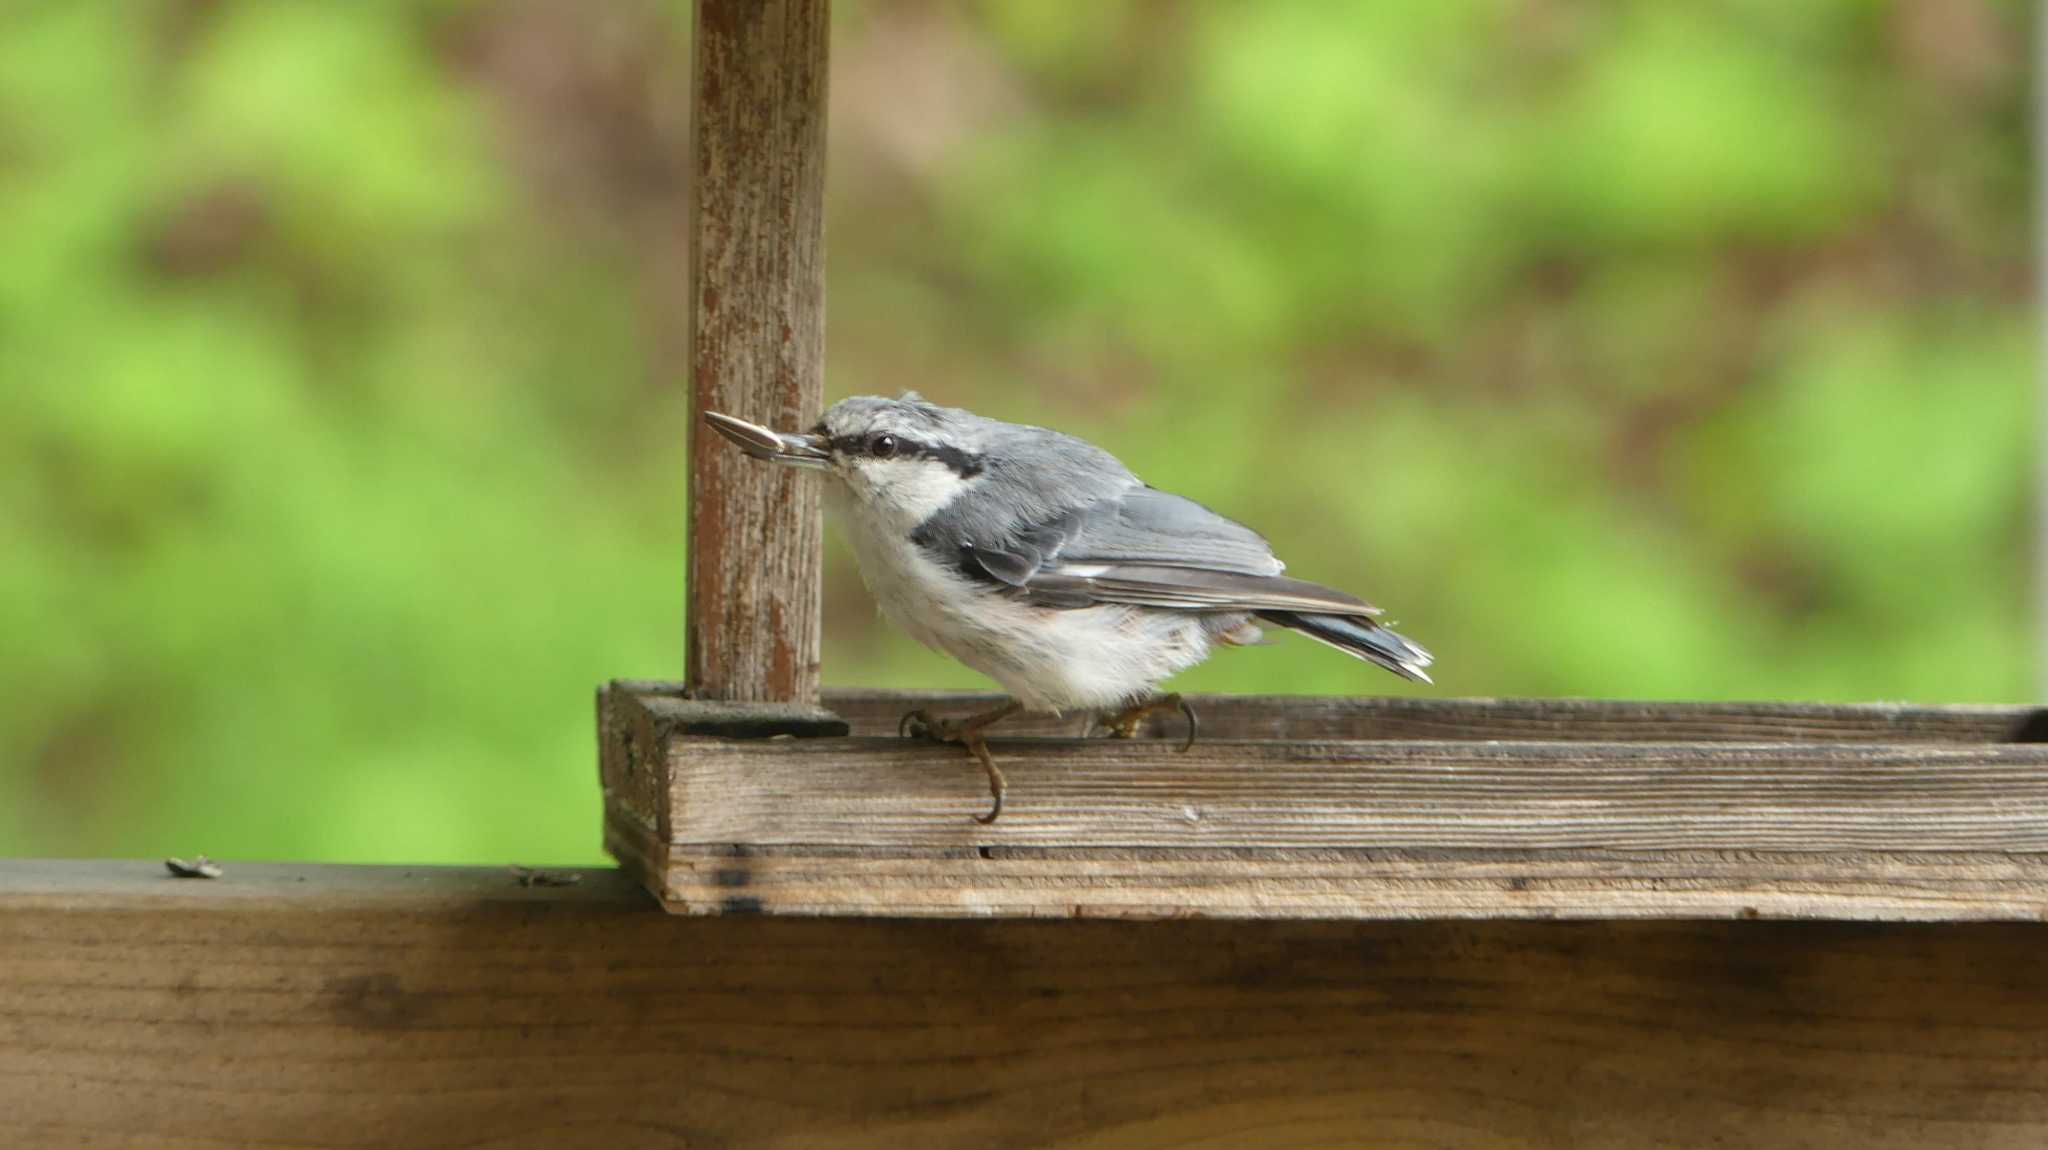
(372, 1007)
(1284, 717)
(757, 340)
(1837, 826)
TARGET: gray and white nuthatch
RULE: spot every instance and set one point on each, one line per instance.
(1042, 562)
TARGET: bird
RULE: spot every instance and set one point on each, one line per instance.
(1041, 561)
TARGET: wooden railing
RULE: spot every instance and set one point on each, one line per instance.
(382, 1007)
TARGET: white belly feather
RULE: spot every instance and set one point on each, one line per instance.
(1093, 658)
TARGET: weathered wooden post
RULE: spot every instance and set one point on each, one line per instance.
(757, 345)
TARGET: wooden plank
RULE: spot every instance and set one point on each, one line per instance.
(1328, 828)
(372, 1007)
(757, 340)
(1276, 884)
(873, 712)
(1424, 795)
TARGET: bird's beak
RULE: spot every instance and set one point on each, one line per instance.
(773, 446)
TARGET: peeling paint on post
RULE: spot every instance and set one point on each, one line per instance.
(757, 345)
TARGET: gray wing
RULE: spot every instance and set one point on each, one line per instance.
(1143, 547)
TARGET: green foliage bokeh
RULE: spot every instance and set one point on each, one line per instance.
(1621, 349)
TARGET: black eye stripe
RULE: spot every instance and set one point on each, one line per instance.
(965, 464)
(862, 445)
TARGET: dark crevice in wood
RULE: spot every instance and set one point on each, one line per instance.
(2032, 728)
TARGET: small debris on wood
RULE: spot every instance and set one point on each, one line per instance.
(199, 867)
(535, 876)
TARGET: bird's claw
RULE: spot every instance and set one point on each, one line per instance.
(1194, 725)
(920, 724)
(1125, 724)
(917, 724)
(996, 783)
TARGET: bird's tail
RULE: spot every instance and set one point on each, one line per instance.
(1360, 637)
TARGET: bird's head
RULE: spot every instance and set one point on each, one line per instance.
(900, 458)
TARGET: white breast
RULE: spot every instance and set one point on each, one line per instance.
(1093, 658)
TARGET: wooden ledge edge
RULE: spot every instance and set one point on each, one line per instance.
(676, 713)
(1320, 885)
(143, 884)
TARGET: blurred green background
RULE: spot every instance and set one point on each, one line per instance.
(1623, 349)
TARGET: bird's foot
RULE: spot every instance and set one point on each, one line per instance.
(965, 733)
(1124, 724)
(922, 724)
(978, 747)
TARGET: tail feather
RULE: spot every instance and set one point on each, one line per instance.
(1359, 637)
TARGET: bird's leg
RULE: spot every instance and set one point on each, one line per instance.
(967, 733)
(1124, 724)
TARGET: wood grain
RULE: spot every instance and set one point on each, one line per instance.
(1281, 883)
(757, 338)
(1347, 828)
(873, 712)
(371, 1007)
(1116, 793)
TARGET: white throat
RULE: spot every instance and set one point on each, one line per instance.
(896, 496)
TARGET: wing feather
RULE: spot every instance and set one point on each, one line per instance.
(1157, 528)
(1150, 548)
(1193, 589)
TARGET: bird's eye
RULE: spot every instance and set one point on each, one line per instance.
(882, 446)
